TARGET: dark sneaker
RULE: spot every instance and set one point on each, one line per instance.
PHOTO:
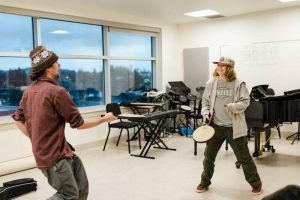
(201, 188)
(257, 190)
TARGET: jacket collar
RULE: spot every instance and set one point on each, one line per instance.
(44, 78)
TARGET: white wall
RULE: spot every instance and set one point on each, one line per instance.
(17, 148)
(276, 25)
(172, 58)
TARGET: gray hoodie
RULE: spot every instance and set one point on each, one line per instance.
(241, 102)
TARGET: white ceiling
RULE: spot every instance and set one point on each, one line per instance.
(170, 11)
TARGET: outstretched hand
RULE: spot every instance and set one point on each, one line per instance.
(109, 117)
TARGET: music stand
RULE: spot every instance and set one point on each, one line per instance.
(180, 87)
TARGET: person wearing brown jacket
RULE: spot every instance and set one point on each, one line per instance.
(44, 110)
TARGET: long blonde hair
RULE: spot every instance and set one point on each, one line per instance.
(230, 74)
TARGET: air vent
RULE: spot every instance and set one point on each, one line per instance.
(214, 16)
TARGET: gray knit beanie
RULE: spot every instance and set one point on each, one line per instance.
(41, 59)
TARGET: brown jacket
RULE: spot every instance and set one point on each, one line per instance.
(45, 108)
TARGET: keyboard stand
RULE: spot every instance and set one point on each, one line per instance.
(153, 138)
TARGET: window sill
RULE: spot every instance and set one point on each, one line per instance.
(6, 122)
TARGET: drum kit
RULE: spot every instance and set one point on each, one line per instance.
(203, 133)
(186, 110)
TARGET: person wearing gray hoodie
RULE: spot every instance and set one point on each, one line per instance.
(223, 104)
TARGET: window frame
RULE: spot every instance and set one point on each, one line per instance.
(107, 26)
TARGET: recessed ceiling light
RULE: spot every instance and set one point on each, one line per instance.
(286, 1)
(202, 13)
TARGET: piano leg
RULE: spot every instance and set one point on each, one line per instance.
(256, 152)
(267, 145)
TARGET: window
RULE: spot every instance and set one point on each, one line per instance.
(130, 45)
(16, 33)
(16, 39)
(131, 76)
(130, 79)
(87, 52)
(71, 38)
(84, 79)
(14, 73)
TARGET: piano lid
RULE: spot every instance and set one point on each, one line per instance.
(291, 92)
(258, 92)
(289, 96)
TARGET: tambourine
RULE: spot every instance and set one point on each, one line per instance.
(203, 133)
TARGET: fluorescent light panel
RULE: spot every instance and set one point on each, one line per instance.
(286, 1)
(202, 13)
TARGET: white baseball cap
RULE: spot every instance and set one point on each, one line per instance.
(226, 61)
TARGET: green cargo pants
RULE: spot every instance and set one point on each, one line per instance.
(68, 177)
(240, 149)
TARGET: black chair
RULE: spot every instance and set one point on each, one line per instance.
(115, 109)
(196, 115)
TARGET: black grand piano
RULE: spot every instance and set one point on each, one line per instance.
(266, 112)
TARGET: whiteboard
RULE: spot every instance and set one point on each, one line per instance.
(274, 63)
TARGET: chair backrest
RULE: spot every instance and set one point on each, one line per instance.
(114, 108)
(199, 107)
(200, 91)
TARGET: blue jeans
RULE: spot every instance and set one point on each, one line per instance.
(69, 179)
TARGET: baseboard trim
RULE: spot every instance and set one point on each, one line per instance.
(25, 163)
